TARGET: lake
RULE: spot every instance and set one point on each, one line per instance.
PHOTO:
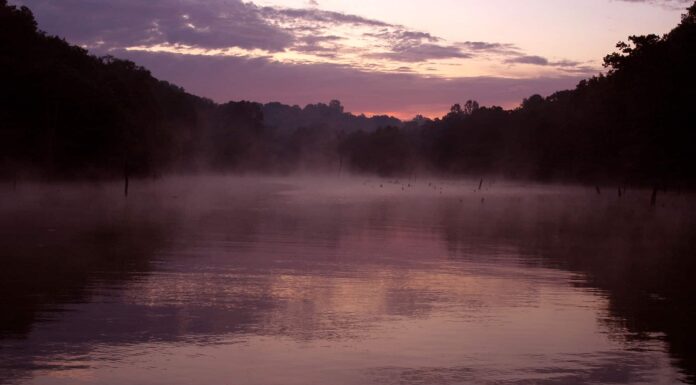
(353, 280)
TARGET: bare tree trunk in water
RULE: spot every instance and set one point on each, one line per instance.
(340, 164)
(598, 190)
(125, 181)
(480, 184)
(653, 199)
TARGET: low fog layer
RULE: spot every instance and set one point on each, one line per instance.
(67, 243)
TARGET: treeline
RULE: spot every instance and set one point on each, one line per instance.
(325, 116)
(67, 114)
(634, 124)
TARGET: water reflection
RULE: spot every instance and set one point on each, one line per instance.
(313, 281)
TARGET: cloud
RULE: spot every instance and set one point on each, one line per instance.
(530, 59)
(565, 65)
(669, 4)
(206, 24)
(322, 44)
(401, 37)
(402, 45)
(192, 26)
(497, 48)
(421, 53)
(317, 15)
(685, 2)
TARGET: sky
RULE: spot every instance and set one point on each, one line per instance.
(392, 57)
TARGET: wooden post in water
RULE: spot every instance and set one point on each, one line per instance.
(480, 184)
(598, 190)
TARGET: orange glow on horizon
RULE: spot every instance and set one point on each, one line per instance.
(430, 112)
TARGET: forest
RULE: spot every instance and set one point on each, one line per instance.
(67, 114)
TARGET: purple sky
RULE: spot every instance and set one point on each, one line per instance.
(388, 56)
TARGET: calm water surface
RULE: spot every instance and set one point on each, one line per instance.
(344, 281)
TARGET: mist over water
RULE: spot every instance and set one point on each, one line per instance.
(350, 280)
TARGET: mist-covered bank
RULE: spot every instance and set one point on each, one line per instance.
(242, 269)
(68, 115)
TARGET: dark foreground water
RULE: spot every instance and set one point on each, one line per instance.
(351, 281)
